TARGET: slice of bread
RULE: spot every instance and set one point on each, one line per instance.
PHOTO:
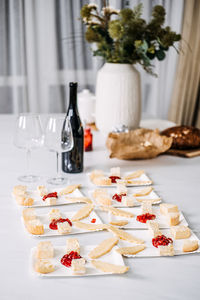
(153, 227)
(45, 250)
(99, 192)
(51, 201)
(115, 171)
(28, 214)
(173, 219)
(131, 250)
(166, 208)
(180, 232)
(42, 190)
(121, 188)
(19, 190)
(104, 200)
(69, 189)
(73, 245)
(96, 173)
(147, 207)
(166, 250)
(24, 200)
(64, 228)
(54, 214)
(78, 266)
(190, 245)
(102, 181)
(44, 266)
(34, 227)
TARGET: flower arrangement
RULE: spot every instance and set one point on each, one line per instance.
(124, 37)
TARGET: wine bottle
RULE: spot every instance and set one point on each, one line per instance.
(72, 161)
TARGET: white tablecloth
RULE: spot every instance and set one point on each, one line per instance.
(177, 180)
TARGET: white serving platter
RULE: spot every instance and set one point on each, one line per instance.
(61, 200)
(62, 271)
(137, 180)
(132, 190)
(65, 214)
(150, 250)
(134, 224)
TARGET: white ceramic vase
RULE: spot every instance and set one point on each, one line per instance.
(118, 97)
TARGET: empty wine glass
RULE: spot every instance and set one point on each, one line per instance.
(58, 138)
(28, 135)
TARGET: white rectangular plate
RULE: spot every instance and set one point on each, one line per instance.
(38, 202)
(66, 214)
(142, 178)
(150, 250)
(132, 190)
(134, 224)
(62, 271)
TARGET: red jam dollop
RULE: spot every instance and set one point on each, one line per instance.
(93, 221)
(161, 240)
(118, 197)
(114, 178)
(66, 260)
(145, 217)
(53, 224)
(50, 195)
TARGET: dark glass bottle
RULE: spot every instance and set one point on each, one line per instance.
(72, 161)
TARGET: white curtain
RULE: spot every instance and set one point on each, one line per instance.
(156, 92)
(42, 48)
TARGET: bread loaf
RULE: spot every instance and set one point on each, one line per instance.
(184, 137)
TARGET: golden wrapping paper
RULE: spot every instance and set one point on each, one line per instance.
(137, 144)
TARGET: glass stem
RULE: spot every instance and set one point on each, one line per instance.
(28, 159)
(58, 163)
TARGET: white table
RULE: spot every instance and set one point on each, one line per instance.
(176, 179)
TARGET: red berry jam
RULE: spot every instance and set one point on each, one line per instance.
(161, 240)
(50, 195)
(93, 221)
(87, 139)
(66, 260)
(118, 197)
(145, 217)
(53, 224)
(114, 178)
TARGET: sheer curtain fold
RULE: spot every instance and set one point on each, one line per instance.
(185, 95)
(13, 96)
(47, 50)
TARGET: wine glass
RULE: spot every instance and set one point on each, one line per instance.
(58, 138)
(28, 135)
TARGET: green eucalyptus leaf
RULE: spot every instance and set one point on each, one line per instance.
(160, 54)
(151, 55)
(144, 46)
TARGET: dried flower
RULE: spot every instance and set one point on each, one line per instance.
(115, 29)
(128, 38)
(107, 10)
(92, 35)
(93, 5)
